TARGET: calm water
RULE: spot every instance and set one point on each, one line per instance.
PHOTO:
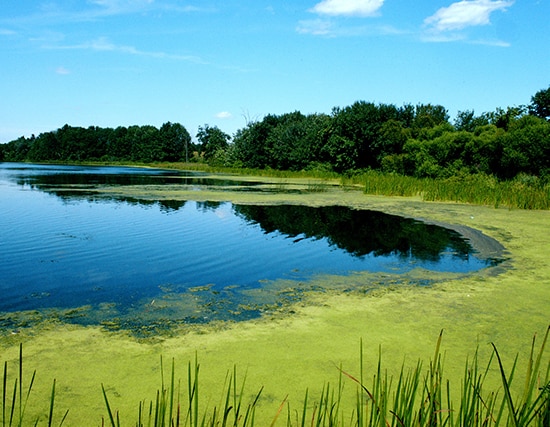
(63, 250)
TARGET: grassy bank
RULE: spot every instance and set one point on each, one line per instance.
(306, 347)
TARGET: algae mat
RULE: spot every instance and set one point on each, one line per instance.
(303, 346)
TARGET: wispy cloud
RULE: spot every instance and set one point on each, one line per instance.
(103, 44)
(224, 115)
(496, 43)
(119, 7)
(331, 28)
(316, 27)
(93, 10)
(465, 13)
(360, 8)
(124, 6)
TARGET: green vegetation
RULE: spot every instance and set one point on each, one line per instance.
(420, 396)
(498, 152)
(524, 191)
(14, 403)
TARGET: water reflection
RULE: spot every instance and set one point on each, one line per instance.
(46, 177)
(159, 262)
(360, 232)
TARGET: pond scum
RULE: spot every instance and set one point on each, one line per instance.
(420, 396)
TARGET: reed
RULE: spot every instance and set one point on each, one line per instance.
(524, 192)
(424, 399)
(166, 409)
(15, 399)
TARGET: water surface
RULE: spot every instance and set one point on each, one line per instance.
(191, 261)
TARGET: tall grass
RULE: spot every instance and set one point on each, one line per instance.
(14, 403)
(420, 396)
(524, 192)
(166, 409)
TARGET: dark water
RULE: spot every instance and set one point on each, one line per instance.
(62, 250)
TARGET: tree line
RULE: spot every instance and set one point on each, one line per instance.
(170, 143)
(414, 140)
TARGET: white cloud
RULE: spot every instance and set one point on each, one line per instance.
(348, 7)
(103, 44)
(224, 115)
(317, 27)
(465, 13)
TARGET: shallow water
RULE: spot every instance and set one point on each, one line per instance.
(109, 257)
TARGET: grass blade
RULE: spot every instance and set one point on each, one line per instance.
(111, 418)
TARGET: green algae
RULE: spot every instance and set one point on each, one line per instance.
(299, 345)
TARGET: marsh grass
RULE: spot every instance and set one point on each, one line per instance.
(524, 192)
(420, 396)
(166, 409)
(14, 403)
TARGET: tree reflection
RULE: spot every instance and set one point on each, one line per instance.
(359, 232)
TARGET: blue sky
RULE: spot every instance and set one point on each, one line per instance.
(123, 62)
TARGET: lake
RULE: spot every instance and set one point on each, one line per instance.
(87, 257)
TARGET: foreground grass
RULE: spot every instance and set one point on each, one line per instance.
(420, 396)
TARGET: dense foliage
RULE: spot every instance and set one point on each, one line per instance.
(418, 141)
(170, 143)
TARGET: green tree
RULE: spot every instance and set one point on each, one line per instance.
(119, 147)
(295, 142)
(502, 118)
(45, 147)
(418, 161)
(212, 140)
(251, 149)
(392, 136)
(149, 148)
(540, 104)
(429, 116)
(353, 138)
(526, 148)
(175, 142)
(18, 150)
(483, 152)
(468, 121)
